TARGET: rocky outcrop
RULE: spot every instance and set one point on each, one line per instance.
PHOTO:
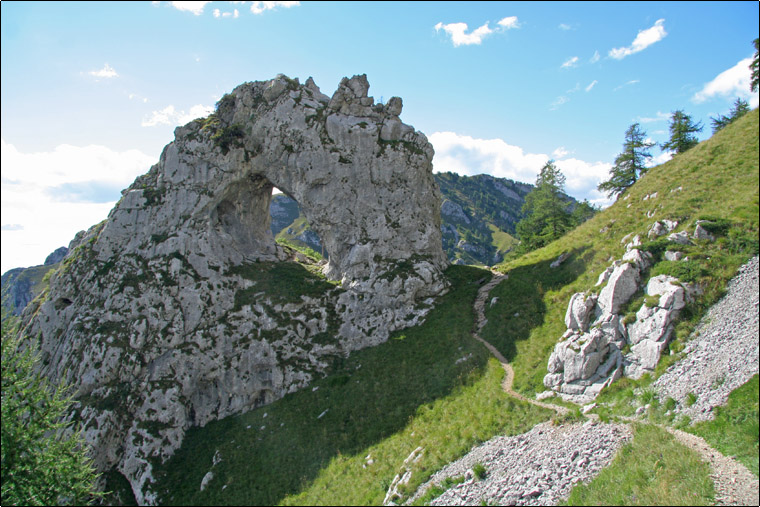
(180, 308)
(601, 345)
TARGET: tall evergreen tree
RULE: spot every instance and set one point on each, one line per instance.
(741, 107)
(682, 130)
(630, 164)
(546, 214)
(43, 462)
(754, 67)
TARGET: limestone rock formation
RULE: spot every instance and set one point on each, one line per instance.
(590, 355)
(179, 308)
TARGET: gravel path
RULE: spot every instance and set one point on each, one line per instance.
(722, 355)
(541, 467)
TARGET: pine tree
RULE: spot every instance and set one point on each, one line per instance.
(630, 164)
(545, 210)
(682, 131)
(43, 461)
(741, 107)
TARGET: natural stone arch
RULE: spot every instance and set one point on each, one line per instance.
(362, 178)
(145, 320)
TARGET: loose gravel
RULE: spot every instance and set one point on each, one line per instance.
(723, 353)
(539, 467)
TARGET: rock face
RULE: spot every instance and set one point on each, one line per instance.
(178, 309)
(590, 355)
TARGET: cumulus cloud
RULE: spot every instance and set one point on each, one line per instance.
(170, 116)
(193, 7)
(47, 197)
(260, 7)
(469, 156)
(460, 37)
(643, 40)
(572, 62)
(729, 84)
(107, 72)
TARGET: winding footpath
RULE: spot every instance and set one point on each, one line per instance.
(542, 466)
(480, 321)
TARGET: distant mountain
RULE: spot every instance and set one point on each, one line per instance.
(21, 285)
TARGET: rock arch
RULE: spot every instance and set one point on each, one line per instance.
(153, 317)
(362, 178)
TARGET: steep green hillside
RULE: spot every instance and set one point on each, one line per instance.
(718, 179)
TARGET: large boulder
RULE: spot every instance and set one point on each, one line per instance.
(622, 284)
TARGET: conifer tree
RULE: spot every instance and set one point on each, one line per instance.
(682, 130)
(43, 461)
(630, 164)
(741, 107)
(754, 67)
(546, 214)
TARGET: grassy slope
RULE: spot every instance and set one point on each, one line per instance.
(384, 401)
(718, 178)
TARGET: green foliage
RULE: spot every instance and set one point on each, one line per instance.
(546, 214)
(44, 461)
(631, 164)
(734, 431)
(682, 130)
(479, 471)
(654, 469)
(741, 107)
(755, 66)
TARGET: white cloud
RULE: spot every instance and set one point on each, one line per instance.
(260, 7)
(194, 7)
(643, 40)
(658, 117)
(107, 72)
(558, 102)
(460, 37)
(469, 156)
(595, 58)
(47, 197)
(509, 22)
(572, 62)
(563, 26)
(219, 14)
(591, 85)
(729, 84)
(170, 116)
(627, 83)
(560, 152)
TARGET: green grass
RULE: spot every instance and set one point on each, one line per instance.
(734, 431)
(653, 469)
(717, 180)
(383, 401)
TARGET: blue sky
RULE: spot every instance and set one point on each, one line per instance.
(92, 91)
